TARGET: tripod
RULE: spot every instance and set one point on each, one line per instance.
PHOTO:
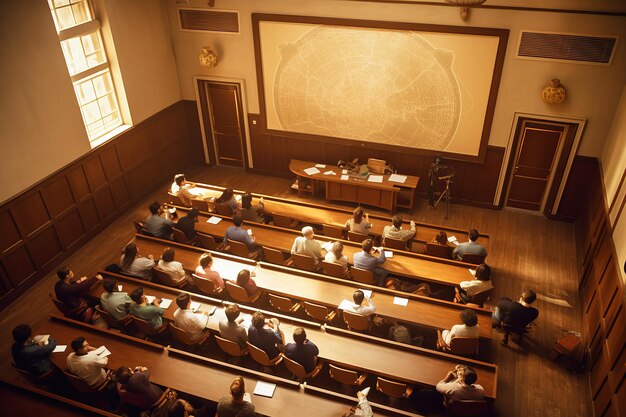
(447, 193)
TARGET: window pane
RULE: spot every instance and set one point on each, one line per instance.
(92, 46)
(69, 15)
(84, 52)
(112, 121)
(96, 129)
(91, 112)
(103, 84)
(59, 3)
(106, 105)
(65, 18)
(81, 13)
(85, 92)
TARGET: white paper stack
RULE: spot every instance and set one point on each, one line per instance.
(367, 293)
(344, 171)
(397, 178)
(452, 239)
(312, 171)
(214, 220)
(346, 305)
(375, 178)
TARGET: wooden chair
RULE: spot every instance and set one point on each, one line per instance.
(458, 345)
(440, 251)
(283, 303)
(480, 298)
(200, 205)
(206, 286)
(239, 293)
(472, 258)
(223, 210)
(183, 337)
(138, 226)
(362, 276)
(176, 200)
(75, 313)
(240, 249)
(393, 389)
(304, 262)
(333, 231)
(298, 370)
(261, 357)
(519, 331)
(356, 321)
(139, 401)
(164, 278)
(468, 408)
(284, 221)
(81, 386)
(181, 237)
(335, 270)
(112, 321)
(318, 312)
(357, 237)
(276, 257)
(398, 244)
(207, 242)
(144, 328)
(346, 376)
(230, 347)
(42, 379)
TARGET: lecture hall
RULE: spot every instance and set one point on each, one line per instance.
(324, 208)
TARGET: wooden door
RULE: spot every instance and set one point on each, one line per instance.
(226, 123)
(538, 149)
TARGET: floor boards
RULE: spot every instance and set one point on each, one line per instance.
(526, 251)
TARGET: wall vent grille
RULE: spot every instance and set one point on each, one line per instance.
(567, 47)
(223, 21)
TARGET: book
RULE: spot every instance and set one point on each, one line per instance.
(264, 389)
(346, 305)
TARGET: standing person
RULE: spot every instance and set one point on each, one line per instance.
(149, 312)
(68, 290)
(192, 323)
(116, 303)
(365, 260)
(156, 225)
(357, 224)
(86, 363)
(204, 271)
(469, 247)
(29, 356)
(303, 350)
(231, 327)
(228, 199)
(234, 405)
(265, 336)
(131, 263)
(306, 245)
(460, 384)
(335, 255)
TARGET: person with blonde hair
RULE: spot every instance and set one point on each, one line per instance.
(335, 255)
(234, 405)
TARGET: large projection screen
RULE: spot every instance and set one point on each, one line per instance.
(426, 90)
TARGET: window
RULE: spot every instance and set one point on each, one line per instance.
(83, 48)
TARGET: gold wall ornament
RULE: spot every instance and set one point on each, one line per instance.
(465, 6)
(554, 93)
(208, 57)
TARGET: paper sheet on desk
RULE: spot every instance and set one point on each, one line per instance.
(330, 173)
(102, 351)
(195, 306)
(472, 271)
(388, 254)
(150, 298)
(312, 171)
(346, 305)
(214, 220)
(327, 246)
(452, 239)
(264, 389)
(397, 178)
(367, 293)
(401, 301)
(375, 178)
(320, 166)
(59, 349)
(165, 303)
(344, 178)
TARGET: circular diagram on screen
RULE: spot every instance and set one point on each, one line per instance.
(381, 86)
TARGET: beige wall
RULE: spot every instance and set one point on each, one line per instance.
(592, 89)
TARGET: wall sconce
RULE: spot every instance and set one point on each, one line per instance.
(554, 93)
(208, 57)
(465, 6)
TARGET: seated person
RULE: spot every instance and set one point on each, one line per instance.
(228, 199)
(469, 328)
(357, 224)
(149, 312)
(137, 382)
(173, 268)
(469, 247)
(365, 310)
(234, 405)
(131, 263)
(29, 356)
(85, 363)
(395, 231)
(116, 303)
(442, 240)
(231, 328)
(247, 283)
(480, 283)
(335, 255)
(363, 408)
(181, 188)
(365, 260)
(303, 350)
(459, 385)
(204, 271)
(265, 336)
(187, 224)
(252, 213)
(187, 320)
(156, 225)
(515, 313)
(238, 234)
(306, 245)
(400, 333)
(68, 290)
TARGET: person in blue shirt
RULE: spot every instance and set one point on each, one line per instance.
(365, 260)
(238, 234)
(30, 356)
(303, 350)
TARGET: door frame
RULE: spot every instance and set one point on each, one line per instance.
(513, 142)
(248, 162)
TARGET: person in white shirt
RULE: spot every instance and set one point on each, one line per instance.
(173, 268)
(335, 255)
(395, 231)
(85, 363)
(357, 224)
(188, 321)
(306, 245)
(469, 328)
(131, 263)
(365, 310)
(480, 283)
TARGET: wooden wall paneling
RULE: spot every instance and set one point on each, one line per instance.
(5, 283)
(104, 204)
(78, 183)
(619, 398)
(10, 235)
(193, 132)
(119, 191)
(583, 177)
(18, 265)
(69, 228)
(589, 288)
(110, 163)
(143, 177)
(616, 338)
(30, 214)
(95, 173)
(135, 149)
(57, 196)
(169, 159)
(89, 215)
(608, 287)
(599, 373)
(603, 256)
(593, 321)
(44, 247)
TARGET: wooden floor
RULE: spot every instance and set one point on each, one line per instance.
(527, 251)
